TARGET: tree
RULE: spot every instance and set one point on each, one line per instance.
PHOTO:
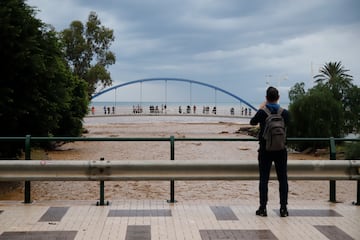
(297, 91)
(335, 77)
(329, 109)
(87, 50)
(71, 123)
(316, 114)
(37, 86)
(351, 105)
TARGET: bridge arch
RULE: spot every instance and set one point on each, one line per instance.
(177, 80)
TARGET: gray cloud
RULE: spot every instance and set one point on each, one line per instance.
(232, 44)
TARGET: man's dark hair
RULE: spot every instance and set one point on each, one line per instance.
(272, 94)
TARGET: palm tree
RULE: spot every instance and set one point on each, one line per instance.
(335, 77)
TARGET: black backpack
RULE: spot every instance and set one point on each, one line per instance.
(274, 132)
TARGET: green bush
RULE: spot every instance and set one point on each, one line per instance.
(352, 150)
(39, 95)
(315, 114)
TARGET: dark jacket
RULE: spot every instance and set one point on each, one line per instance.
(261, 116)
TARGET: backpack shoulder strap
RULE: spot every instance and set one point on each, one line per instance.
(280, 110)
(267, 111)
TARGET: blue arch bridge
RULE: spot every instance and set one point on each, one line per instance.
(242, 108)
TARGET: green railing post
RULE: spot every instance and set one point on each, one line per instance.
(332, 182)
(27, 192)
(357, 203)
(101, 202)
(172, 182)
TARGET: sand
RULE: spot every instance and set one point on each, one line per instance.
(184, 190)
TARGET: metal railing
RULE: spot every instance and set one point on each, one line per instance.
(321, 168)
(149, 170)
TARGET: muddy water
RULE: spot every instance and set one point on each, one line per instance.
(184, 190)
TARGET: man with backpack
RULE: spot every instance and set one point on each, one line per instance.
(272, 136)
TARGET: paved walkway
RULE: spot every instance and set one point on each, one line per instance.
(155, 219)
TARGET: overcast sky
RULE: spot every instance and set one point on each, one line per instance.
(236, 45)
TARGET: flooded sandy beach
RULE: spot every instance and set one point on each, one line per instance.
(184, 150)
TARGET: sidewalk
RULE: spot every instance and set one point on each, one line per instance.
(157, 219)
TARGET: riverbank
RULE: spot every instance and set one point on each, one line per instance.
(187, 150)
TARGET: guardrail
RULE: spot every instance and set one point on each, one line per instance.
(320, 170)
(145, 170)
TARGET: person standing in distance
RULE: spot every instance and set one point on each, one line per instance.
(266, 158)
